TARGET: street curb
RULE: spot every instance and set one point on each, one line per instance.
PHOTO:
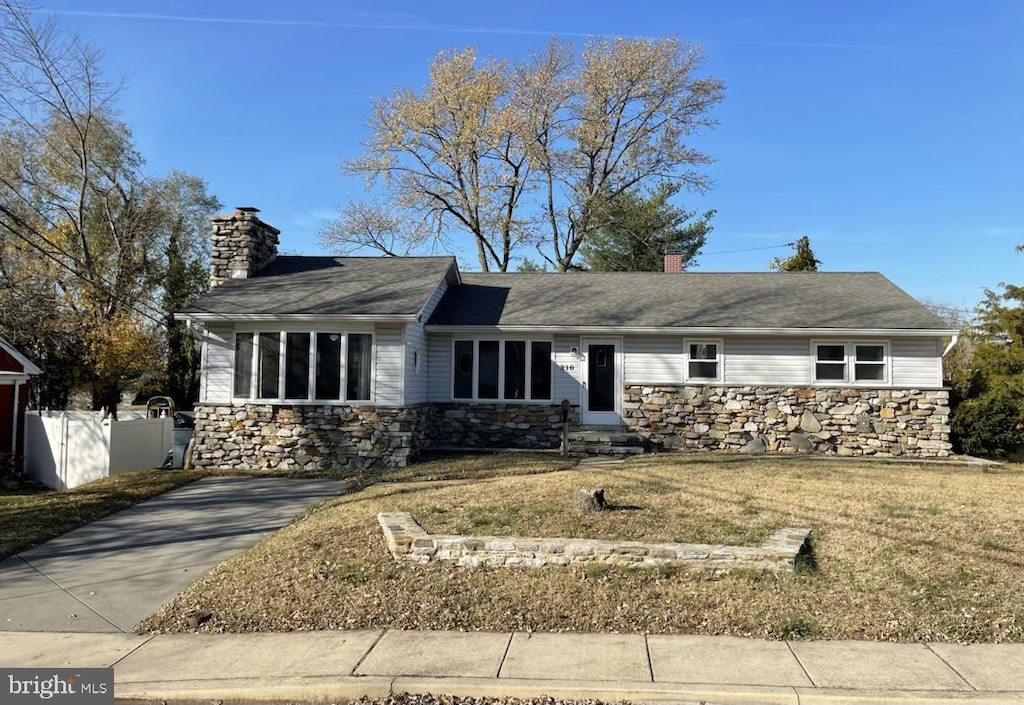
(312, 689)
(840, 696)
(331, 689)
(609, 691)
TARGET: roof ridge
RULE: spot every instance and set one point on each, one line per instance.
(374, 257)
(719, 273)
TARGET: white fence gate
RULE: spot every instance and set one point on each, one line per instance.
(68, 449)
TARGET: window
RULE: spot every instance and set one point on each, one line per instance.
(487, 369)
(857, 363)
(540, 370)
(303, 366)
(270, 365)
(360, 349)
(515, 369)
(296, 375)
(703, 360)
(243, 364)
(328, 366)
(869, 363)
(511, 370)
(830, 363)
(463, 369)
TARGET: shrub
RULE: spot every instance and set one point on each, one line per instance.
(796, 626)
(990, 424)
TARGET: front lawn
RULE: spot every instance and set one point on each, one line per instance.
(32, 514)
(903, 551)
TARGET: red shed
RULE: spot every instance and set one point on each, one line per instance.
(16, 372)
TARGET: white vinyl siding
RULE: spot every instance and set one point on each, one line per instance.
(766, 361)
(567, 373)
(416, 361)
(653, 360)
(388, 373)
(218, 372)
(439, 367)
(419, 377)
(916, 362)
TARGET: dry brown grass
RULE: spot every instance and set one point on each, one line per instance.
(904, 552)
(31, 514)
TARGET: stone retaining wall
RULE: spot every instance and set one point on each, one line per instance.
(408, 541)
(500, 425)
(885, 422)
(279, 437)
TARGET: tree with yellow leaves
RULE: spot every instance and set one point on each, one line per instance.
(528, 152)
(78, 219)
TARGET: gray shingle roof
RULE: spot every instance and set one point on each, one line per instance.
(864, 300)
(363, 286)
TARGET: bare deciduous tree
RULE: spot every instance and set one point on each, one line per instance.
(73, 195)
(526, 153)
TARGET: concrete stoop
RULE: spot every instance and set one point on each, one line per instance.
(606, 442)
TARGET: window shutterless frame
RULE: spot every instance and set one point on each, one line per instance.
(254, 366)
(702, 346)
(865, 363)
(459, 346)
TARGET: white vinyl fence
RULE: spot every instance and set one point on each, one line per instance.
(68, 449)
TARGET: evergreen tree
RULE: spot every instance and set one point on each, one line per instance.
(803, 260)
(637, 229)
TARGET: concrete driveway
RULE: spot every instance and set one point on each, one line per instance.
(109, 575)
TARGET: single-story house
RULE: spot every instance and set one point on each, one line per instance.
(16, 372)
(313, 361)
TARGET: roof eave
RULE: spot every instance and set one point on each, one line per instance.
(697, 330)
(208, 317)
(27, 365)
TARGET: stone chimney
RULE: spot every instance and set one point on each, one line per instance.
(673, 261)
(242, 245)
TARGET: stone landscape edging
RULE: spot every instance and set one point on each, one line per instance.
(408, 541)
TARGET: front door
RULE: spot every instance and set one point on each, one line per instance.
(602, 386)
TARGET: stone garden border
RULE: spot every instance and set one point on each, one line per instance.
(408, 541)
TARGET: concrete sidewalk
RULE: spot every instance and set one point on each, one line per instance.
(335, 666)
(108, 575)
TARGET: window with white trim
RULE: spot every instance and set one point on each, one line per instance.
(703, 360)
(850, 362)
(323, 366)
(501, 370)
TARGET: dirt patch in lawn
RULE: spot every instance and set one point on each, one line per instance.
(902, 552)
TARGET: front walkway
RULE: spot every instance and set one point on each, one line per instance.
(109, 575)
(334, 666)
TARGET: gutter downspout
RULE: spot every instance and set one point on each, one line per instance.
(952, 344)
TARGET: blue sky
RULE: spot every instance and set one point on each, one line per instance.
(891, 133)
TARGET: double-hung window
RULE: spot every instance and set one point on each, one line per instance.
(704, 360)
(852, 363)
(299, 366)
(502, 370)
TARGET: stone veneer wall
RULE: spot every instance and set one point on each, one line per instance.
(308, 437)
(242, 244)
(408, 541)
(844, 421)
(500, 425)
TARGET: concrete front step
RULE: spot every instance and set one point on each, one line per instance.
(605, 442)
(592, 449)
(610, 437)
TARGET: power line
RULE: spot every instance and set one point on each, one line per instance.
(78, 275)
(749, 249)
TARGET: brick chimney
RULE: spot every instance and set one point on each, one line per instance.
(673, 261)
(242, 245)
